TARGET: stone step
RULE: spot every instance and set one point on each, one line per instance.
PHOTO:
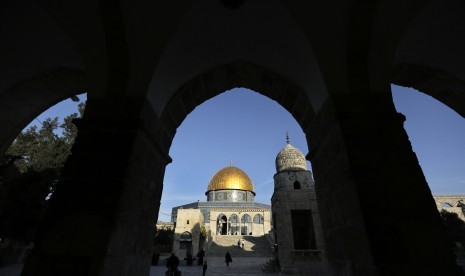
(254, 246)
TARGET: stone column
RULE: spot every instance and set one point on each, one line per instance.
(102, 215)
(239, 217)
(377, 211)
(263, 223)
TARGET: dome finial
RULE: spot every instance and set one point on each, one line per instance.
(287, 137)
(230, 163)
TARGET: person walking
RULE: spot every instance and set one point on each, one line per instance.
(204, 268)
(200, 255)
(227, 258)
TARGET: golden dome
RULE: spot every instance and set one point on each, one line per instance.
(230, 178)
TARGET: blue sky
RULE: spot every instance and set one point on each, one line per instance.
(60, 110)
(437, 134)
(249, 129)
(239, 125)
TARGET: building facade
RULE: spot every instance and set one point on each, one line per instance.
(230, 209)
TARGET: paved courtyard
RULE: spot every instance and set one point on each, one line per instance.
(240, 266)
(216, 266)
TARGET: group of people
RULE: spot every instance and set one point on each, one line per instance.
(173, 262)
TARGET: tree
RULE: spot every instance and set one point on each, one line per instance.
(40, 149)
(29, 176)
(47, 147)
(163, 239)
(203, 233)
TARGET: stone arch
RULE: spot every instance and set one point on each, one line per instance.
(446, 205)
(234, 224)
(186, 235)
(246, 225)
(258, 219)
(185, 240)
(225, 77)
(258, 224)
(221, 224)
(427, 60)
(444, 87)
(20, 104)
(228, 76)
(329, 136)
(375, 240)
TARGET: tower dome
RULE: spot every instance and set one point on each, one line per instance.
(290, 158)
(230, 178)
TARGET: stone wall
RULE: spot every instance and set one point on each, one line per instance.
(451, 203)
(285, 199)
(189, 220)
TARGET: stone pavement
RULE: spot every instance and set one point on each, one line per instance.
(243, 266)
(13, 270)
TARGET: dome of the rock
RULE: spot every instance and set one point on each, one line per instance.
(230, 178)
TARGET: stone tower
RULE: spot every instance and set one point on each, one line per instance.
(295, 216)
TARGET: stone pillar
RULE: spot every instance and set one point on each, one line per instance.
(102, 215)
(239, 218)
(377, 211)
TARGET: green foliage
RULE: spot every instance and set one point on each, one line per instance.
(45, 148)
(28, 177)
(69, 129)
(203, 233)
(163, 239)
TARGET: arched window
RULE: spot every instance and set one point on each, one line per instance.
(221, 224)
(296, 185)
(246, 225)
(246, 218)
(234, 225)
(258, 219)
